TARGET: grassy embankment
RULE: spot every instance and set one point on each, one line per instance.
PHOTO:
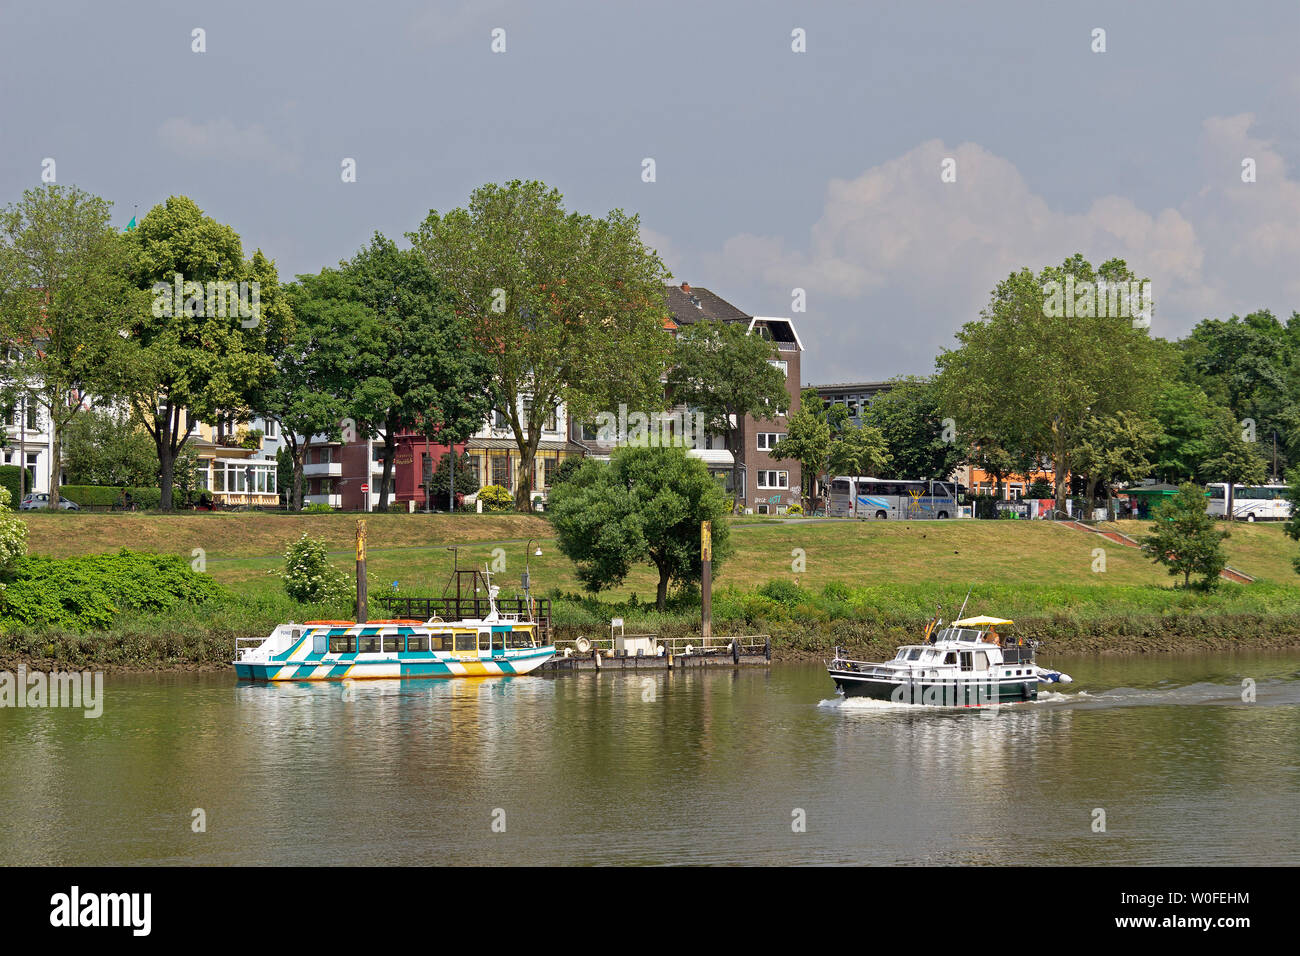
(866, 585)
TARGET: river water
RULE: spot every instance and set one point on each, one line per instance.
(752, 766)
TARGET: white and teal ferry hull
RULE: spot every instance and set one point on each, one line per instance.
(325, 651)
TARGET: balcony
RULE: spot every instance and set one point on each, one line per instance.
(332, 469)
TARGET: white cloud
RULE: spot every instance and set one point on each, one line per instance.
(897, 248)
(224, 141)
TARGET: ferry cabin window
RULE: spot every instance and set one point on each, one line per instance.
(343, 645)
(520, 639)
(368, 644)
(392, 643)
(498, 640)
(414, 643)
(465, 641)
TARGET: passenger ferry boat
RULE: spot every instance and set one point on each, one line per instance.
(493, 645)
(965, 664)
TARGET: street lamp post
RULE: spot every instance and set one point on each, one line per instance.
(528, 594)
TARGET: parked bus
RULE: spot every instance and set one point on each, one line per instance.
(858, 497)
(1250, 502)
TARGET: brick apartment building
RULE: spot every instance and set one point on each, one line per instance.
(768, 486)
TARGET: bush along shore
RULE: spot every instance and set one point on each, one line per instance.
(196, 631)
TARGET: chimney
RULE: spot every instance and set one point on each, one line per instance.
(686, 287)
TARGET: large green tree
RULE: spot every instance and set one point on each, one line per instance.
(826, 441)
(1027, 378)
(909, 417)
(1251, 366)
(425, 371)
(1115, 449)
(724, 373)
(1233, 458)
(645, 504)
(65, 296)
(105, 447)
(1184, 538)
(319, 359)
(568, 308)
(808, 441)
(1185, 417)
(199, 354)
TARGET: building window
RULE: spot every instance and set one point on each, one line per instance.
(783, 365)
(773, 479)
(499, 419)
(548, 471)
(767, 440)
(501, 471)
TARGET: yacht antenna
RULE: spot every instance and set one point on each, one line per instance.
(963, 606)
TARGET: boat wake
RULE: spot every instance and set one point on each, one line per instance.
(1267, 692)
(869, 705)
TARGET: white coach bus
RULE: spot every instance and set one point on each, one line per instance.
(887, 498)
(1250, 502)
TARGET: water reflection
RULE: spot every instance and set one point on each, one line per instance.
(653, 767)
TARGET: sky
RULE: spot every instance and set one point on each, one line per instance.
(774, 170)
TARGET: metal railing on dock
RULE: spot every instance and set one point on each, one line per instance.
(597, 653)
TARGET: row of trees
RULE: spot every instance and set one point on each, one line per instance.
(1102, 401)
(511, 303)
(1092, 397)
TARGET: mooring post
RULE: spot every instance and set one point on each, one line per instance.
(361, 570)
(706, 580)
(767, 649)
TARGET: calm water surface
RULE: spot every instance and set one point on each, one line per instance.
(696, 767)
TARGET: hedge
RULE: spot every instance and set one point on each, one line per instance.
(105, 496)
(87, 592)
(9, 478)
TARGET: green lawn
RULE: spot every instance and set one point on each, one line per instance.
(1039, 573)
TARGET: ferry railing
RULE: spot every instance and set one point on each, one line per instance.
(456, 609)
(243, 644)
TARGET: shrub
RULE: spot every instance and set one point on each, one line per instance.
(496, 498)
(795, 509)
(10, 478)
(836, 591)
(308, 576)
(87, 592)
(783, 592)
(318, 508)
(13, 534)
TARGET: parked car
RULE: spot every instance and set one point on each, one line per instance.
(39, 501)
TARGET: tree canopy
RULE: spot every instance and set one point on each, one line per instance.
(1028, 380)
(645, 505)
(566, 307)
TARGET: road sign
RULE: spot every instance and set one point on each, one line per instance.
(365, 488)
